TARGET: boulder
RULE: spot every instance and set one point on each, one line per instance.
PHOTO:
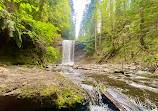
(34, 89)
(156, 72)
(107, 70)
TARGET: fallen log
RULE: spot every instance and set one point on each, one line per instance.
(120, 101)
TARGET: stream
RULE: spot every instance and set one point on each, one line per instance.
(140, 90)
(133, 85)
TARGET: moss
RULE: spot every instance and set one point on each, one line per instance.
(42, 88)
(67, 95)
(28, 66)
(49, 91)
(61, 97)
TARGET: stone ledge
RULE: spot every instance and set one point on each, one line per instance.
(32, 89)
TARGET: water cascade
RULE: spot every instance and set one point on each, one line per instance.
(68, 47)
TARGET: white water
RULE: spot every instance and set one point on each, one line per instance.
(68, 47)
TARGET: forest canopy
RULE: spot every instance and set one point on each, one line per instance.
(126, 30)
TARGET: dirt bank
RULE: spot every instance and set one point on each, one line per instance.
(33, 89)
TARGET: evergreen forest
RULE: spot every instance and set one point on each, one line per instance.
(112, 30)
(108, 63)
(121, 31)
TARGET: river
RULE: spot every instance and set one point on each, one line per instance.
(141, 90)
(125, 83)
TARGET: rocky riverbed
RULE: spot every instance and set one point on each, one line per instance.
(24, 88)
(136, 82)
(52, 90)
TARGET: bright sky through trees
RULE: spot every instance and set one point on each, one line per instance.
(79, 6)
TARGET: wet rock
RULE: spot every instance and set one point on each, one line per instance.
(87, 68)
(79, 50)
(79, 68)
(74, 66)
(133, 67)
(143, 72)
(119, 71)
(47, 68)
(156, 72)
(107, 70)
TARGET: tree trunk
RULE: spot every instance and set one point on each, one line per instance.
(142, 33)
(95, 37)
(9, 6)
(100, 40)
(41, 9)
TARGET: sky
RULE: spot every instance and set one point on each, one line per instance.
(79, 6)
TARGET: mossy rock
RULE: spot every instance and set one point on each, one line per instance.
(39, 89)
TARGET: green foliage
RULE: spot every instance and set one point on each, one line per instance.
(8, 22)
(42, 21)
(11, 25)
(26, 7)
(129, 29)
(17, 1)
(17, 35)
(51, 54)
(2, 23)
(47, 31)
(66, 95)
(1, 6)
(86, 33)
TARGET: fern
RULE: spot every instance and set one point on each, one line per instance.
(2, 24)
(11, 26)
(17, 35)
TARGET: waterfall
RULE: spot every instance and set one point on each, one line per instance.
(68, 47)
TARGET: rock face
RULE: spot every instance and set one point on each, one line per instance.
(34, 89)
(79, 51)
